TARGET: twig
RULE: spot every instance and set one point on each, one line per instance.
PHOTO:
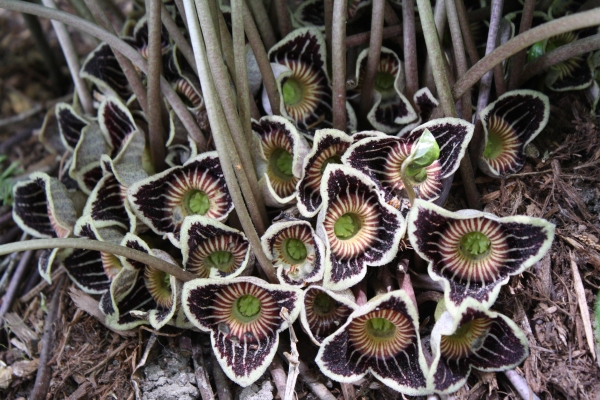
(562, 53)
(364, 37)
(106, 359)
(518, 60)
(259, 14)
(312, 381)
(42, 379)
(583, 307)
(104, 247)
(279, 376)
(258, 48)
(552, 28)
(338, 58)
(366, 97)
(29, 295)
(521, 385)
(64, 39)
(202, 379)
(36, 108)
(11, 291)
(222, 383)
(154, 108)
(293, 359)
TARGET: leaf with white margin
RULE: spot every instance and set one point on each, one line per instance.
(102, 69)
(357, 226)
(475, 338)
(85, 168)
(473, 253)
(70, 125)
(380, 337)
(243, 318)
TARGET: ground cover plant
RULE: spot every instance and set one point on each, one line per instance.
(340, 199)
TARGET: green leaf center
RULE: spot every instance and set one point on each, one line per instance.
(347, 226)
(294, 250)
(323, 304)
(381, 328)
(197, 202)
(220, 260)
(494, 146)
(247, 307)
(292, 92)
(336, 159)
(384, 81)
(281, 164)
(475, 244)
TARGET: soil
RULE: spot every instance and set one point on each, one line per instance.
(87, 360)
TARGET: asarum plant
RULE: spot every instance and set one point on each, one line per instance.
(244, 321)
(280, 151)
(575, 73)
(425, 103)
(298, 62)
(511, 123)
(381, 158)
(70, 125)
(162, 201)
(474, 253)
(380, 337)
(102, 69)
(329, 145)
(473, 338)
(325, 311)
(211, 249)
(358, 227)
(391, 110)
(296, 251)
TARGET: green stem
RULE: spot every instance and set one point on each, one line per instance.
(104, 247)
(114, 41)
(182, 44)
(154, 115)
(64, 39)
(560, 54)
(552, 28)
(366, 97)
(410, 191)
(243, 158)
(223, 141)
(411, 67)
(261, 59)
(128, 69)
(241, 72)
(227, 45)
(338, 58)
(259, 14)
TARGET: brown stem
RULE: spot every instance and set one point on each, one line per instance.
(466, 31)
(279, 375)
(154, 107)
(202, 378)
(338, 58)
(222, 383)
(411, 68)
(366, 98)
(241, 72)
(283, 17)
(182, 44)
(328, 11)
(359, 39)
(259, 14)
(459, 54)
(518, 60)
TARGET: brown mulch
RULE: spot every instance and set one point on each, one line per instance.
(561, 184)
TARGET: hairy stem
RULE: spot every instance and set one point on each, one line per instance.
(227, 45)
(243, 157)
(359, 39)
(560, 54)
(338, 58)
(104, 247)
(223, 141)
(182, 44)
(439, 17)
(552, 28)
(64, 39)
(459, 54)
(366, 97)
(262, 60)
(518, 60)
(283, 17)
(154, 115)
(411, 67)
(466, 31)
(259, 14)
(241, 72)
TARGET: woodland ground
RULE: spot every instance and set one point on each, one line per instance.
(562, 184)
